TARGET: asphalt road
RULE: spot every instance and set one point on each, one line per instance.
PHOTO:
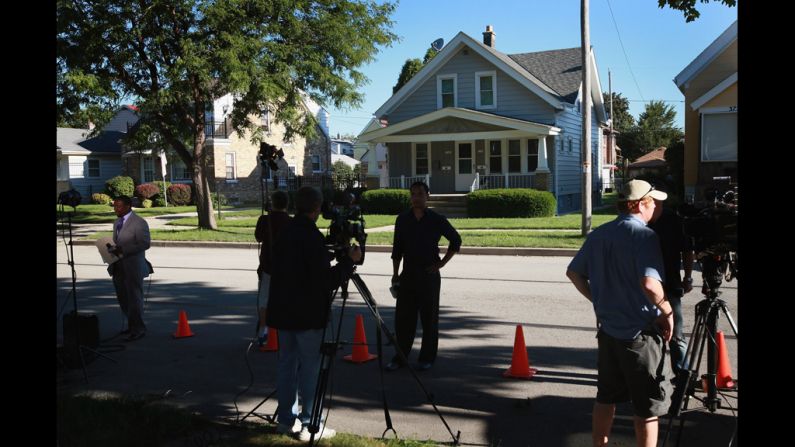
(483, 299)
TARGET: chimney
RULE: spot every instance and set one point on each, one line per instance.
(489, 37)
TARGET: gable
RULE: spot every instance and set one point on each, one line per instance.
(451, 125)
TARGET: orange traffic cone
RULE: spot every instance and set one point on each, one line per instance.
(273, 341)
(183, 328)
(520, 365)
(360, 352)
(724, 378)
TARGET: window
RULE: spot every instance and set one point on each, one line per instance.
(178, 170)
(316, 166)
(514, 156)
(265, 119)
(495, 157)
(486, 89)
(719, 137)
(571, 144)
(532, 155)
(92, 167)
(147, 170)
(421, 159)
(446, 91)
(230, 166)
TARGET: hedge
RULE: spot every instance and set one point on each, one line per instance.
(385, 201)
(120, 185)
(510, 203)
(147, 190)
(179, 194)
(101, 199)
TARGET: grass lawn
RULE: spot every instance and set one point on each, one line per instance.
(245, 219)
(93, 421)
(507, 238)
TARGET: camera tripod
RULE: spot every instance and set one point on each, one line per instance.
(704, 330)
(79, 347)
(329, 349)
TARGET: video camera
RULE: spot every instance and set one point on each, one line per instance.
(71, 198)
(713, 229)
(347, 223)
(268, 154)
(713, 224)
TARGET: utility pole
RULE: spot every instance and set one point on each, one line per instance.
(586, 118)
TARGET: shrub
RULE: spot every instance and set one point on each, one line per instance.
(146, 190)
(146, 203)
(223, 200)
(101, 199)
(159, 201)
(510, 203)
(179, 194)
(121, 185)
(385, 201)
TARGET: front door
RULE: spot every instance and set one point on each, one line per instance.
(464, 166)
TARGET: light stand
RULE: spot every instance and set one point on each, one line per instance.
(72, 198)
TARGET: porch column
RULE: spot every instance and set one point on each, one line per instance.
(542, 154)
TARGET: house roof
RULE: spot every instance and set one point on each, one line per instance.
(350, 161)
(715, 49)
(655, 158)
(74, 142)
(561, 70)
(554, 75)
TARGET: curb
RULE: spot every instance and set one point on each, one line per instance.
(491, 251)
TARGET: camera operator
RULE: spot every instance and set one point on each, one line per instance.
(302, 282)
(416, 242)
(619, 269)
(268, 228)
(677, 253)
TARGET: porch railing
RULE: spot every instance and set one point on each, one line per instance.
(492, 181)
(404, 181)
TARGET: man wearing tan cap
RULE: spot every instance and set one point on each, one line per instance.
(620, 270)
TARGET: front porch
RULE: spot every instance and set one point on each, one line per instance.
(460, 150)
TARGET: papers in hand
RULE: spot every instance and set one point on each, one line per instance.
(104, 251)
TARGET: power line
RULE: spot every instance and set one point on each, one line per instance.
(623, 50)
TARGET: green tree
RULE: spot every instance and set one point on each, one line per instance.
(655, 128)
(412, 67)
(622, 119)
(343, 174)
(176, 56)
(688, 7)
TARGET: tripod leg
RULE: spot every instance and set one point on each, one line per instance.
(726, 312)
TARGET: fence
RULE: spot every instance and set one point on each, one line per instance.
(404, 181)
(492, 181)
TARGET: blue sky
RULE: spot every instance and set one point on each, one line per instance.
(657, 42)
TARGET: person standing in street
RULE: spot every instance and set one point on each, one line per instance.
(131, 240)
(269, 226)
(619, 269)
(416, 243)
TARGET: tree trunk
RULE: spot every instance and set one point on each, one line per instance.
(204, 203)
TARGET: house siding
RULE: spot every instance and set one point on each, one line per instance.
(513, 99)
(78, 174)
(568, 164)
(399, 156)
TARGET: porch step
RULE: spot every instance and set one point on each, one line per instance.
(449, 205)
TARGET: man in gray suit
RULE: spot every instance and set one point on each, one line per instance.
(131, 236)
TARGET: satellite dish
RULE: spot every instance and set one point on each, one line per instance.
(437, 44)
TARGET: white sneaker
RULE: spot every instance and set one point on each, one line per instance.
(322, 433)
(285, 429)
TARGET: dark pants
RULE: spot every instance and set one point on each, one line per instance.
(418, 293)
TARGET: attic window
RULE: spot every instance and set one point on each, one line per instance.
(486, 89)
(446, 91)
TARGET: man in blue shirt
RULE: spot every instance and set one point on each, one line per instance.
(417, 235)
(620, 270)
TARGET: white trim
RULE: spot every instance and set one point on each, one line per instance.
(715, 49)
(520, 126)
(713, 110)
(234, 166)
(481, 74)
(472, 160)
(714, 91)
(444, 77)
(461, 40)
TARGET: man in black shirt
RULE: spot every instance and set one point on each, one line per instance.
(268, 228)
(417, 234)
(677, 251)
